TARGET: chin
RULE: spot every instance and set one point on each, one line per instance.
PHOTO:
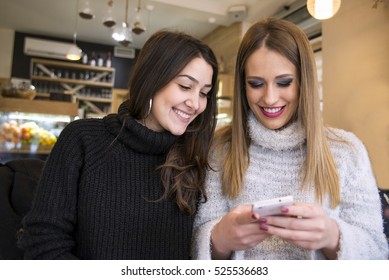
(177, 132)
(273, 126)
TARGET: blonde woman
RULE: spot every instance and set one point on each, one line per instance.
(277, 146)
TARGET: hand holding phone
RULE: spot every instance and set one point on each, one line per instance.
(272, 206)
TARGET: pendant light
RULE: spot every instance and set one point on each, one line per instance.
(138, 26)
(122, 33)
(323, 9)
(74, 52)
(109, 20)
(86, 11)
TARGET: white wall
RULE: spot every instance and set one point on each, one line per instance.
(6, 51)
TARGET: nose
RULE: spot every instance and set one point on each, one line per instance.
(193, 101)
(270, 96)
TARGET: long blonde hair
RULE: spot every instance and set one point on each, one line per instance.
(319, 167)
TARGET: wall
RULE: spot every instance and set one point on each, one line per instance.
(21, 62)
(356, 77)
(225, 41)
(6, 50)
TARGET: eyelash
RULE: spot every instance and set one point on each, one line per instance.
(284, 84)
(186, 88)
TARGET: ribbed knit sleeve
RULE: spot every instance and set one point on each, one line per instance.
(49, 226)
(209, 213)
(359, 214)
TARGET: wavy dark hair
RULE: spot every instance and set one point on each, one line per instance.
(162, 58)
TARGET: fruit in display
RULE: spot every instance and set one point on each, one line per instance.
(26, 133)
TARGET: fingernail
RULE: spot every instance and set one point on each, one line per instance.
(263, 227)
(284, 210)
(262, 220)
(254, 217)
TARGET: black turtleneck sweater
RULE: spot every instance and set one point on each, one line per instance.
(96, 197)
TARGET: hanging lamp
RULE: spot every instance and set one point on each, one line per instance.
(109, 20)
(74, 52)
(122, 33)
(138, 26)
(323, 9)
(86, 11)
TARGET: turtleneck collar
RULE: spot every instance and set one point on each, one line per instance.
(286, 138)
(136, 136)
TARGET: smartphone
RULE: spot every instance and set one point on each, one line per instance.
(273, 206)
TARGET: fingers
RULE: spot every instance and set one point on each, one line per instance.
(244, 215)
(303, 210)
(295, 223)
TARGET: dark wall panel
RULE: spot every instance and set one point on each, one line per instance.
(21, 62)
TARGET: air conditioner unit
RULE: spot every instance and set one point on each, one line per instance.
(298, 13)
(124, 52)
(46, 48)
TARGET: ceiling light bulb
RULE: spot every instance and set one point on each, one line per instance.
(323, 9)
(117, 34)
(122, 34)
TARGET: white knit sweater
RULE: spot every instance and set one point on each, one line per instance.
(275, 161)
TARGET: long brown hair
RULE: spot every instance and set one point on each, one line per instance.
(162, 58)
(319, 167)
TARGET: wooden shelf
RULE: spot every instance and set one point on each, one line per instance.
(26, 150)
(94, 99)
(38, 106)
(72, 65)
(72, 81)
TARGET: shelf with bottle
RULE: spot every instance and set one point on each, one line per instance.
(74, 82)
(62, 72)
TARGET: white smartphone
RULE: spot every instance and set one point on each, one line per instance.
(272, 206)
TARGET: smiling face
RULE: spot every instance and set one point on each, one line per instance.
(271, 88)
(176, 105)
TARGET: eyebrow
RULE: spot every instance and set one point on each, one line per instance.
(193, 79)
(277, 77)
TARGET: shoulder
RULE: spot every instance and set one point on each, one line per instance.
(78, 128)
(342, 137)
(346, 146)
(84, 123)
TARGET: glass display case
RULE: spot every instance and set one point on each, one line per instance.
(30, 128)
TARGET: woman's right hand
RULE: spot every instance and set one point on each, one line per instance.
(237, 230)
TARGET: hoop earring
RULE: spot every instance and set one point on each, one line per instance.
(150, 105)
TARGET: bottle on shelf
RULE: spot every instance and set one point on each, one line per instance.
(85, 58)
(92, 61)
(108, 61)
(100, 60)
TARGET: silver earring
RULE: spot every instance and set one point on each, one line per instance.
(150, 104)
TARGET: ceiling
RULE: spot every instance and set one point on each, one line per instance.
(58, 18)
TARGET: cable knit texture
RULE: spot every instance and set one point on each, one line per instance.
(275, 160)
(96, 197)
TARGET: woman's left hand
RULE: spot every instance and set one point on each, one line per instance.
(307, 226)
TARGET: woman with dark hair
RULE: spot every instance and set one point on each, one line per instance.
(277, 146)
(127, 186)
